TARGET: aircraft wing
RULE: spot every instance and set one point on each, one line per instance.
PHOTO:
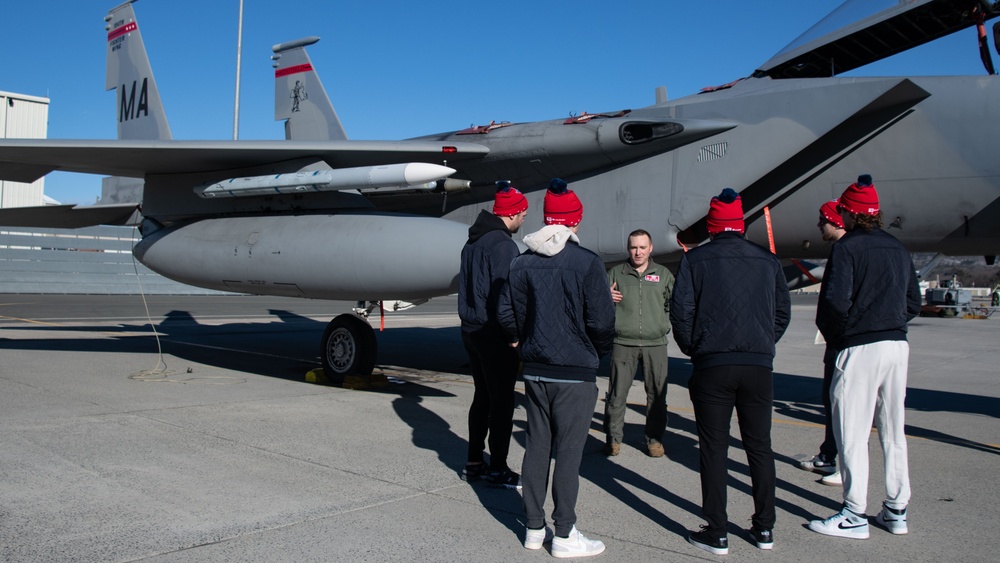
(67, 216)
(864, 31)
(26, 160)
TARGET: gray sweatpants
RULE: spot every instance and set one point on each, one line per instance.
(559, 416)
(624, 360)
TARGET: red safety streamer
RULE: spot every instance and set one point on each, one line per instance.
(984, 45)
(770, 233)
(805, 271)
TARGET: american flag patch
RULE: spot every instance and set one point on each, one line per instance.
(652, 278)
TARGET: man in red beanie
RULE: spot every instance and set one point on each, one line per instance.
(486, 261)
(557, 310)
(831, 224)
(831, 228)
(729, 308)
(869, 293)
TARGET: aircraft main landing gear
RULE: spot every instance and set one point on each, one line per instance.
(348, 348)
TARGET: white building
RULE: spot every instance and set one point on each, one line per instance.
(22, 117)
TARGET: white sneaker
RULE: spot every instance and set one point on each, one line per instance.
(576, 545)
(844, 524)
(833, 479)
(533, 539)
(892, 520)
(819, 464)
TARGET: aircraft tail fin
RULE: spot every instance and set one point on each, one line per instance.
(299, 96)
(140, 111)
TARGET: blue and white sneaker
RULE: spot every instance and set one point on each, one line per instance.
(892, 520)
(844, 524)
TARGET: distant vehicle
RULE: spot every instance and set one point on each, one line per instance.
(949, 295)
(377, 220)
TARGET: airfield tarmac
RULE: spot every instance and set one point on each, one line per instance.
(217, 450)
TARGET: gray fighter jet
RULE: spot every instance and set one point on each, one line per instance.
(373, 220)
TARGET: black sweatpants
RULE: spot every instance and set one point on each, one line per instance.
(494, 371)
(829, 446)
(715, 392)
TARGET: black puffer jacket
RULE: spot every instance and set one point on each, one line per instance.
(559, 308)
(730, 303)
(486, 261)
(869, 290)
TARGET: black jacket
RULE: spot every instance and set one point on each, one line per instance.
(560, 310)
(485, 262)
(869, 290)
(730, 303)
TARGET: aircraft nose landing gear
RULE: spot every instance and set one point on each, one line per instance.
(348, 348)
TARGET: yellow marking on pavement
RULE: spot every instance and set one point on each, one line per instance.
(29, 321)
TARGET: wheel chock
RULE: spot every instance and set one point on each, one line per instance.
(316, 376)
(375, 380)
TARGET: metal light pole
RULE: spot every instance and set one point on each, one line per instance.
(239, 53)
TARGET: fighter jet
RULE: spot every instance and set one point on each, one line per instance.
(373, 220)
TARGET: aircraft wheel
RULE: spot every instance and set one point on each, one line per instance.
(349, 348)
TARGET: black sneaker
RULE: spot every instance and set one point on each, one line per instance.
(475, 471)
(706, 540)
(506, 479)
(764, 539)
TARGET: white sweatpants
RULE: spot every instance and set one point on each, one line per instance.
(868, 380)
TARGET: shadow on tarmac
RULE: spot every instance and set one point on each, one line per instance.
(681, 445)
(288, 347)
(431, 432)
(285, 348)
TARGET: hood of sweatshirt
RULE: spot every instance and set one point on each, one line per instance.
(486, 223)
(550, 240)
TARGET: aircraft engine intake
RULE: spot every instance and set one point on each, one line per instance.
(636, 132)
(348, 256)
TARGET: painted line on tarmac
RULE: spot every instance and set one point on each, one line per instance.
(239, 350)
(29, 321)
(802, 423)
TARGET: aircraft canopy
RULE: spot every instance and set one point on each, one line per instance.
(859, 32)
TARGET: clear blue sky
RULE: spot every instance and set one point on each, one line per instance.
(396, 69)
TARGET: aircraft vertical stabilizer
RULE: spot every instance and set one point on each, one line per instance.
(139, 109)
(299, 96)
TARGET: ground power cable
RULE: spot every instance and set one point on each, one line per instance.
(163, 375)
(157, 374)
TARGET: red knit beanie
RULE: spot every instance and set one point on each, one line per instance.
(562, 207)
(860, 198)
(725, 213)
(828, 212)
(508, 201)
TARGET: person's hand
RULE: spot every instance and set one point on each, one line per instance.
(513, 344)
(616, 295)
